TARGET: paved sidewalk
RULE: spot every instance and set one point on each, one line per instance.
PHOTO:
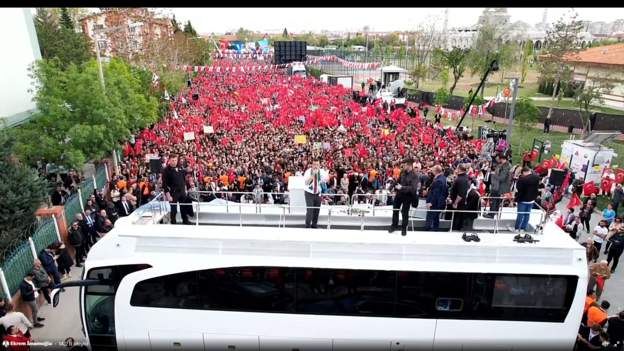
(614, 287)
(61, 322)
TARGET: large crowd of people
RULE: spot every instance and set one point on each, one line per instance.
(241, 135)
(256, 117)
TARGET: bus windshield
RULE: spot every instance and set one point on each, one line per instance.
(99, 304)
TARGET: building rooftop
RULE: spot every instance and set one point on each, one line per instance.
(602, 55)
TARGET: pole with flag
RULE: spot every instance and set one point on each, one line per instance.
(575, 201)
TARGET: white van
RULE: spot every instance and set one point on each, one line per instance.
(297, 69)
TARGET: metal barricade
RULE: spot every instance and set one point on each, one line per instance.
(351, 209)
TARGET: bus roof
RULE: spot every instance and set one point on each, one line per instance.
(166, 244)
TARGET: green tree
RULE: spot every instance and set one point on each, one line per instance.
(199, 52)
(176, 25)
(455, 60)
(527, 53)
(323, 41)
(75, 14)
(425, 39)
(507, 57)
(402, 52)
(526, 115)
(66, 21)
(61, 42)
(485, 49)
(172, 80)
(77, 120)
(391, 40)
(562, 41)
(188, 29)
(585, 96)
(442, 96)
(244, 34)
(23, 192)
(444, 77)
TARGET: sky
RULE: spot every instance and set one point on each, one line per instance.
(221, 20)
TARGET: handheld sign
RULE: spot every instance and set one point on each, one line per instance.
(300, 139)
(189, 136)
(208, 130)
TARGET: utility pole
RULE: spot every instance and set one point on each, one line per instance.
(98, 38)
(99, 60)
(366, 31)
(514, 83)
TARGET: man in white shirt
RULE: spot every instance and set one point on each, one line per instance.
(313, 178)
(600, 234)
(17, 319)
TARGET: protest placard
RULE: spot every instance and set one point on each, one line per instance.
(300, 139)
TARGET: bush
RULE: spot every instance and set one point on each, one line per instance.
(314, 72)
(23, 191)
(546, 87)
(441, 96)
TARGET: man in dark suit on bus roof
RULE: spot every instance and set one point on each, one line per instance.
(174, 184)
(406, 191)
(436, 198)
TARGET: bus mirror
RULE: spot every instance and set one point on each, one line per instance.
(56, 293)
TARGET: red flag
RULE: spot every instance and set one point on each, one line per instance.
(559, 222)
(589, 188)
(575, 201)
(427, 139)
(566, 181)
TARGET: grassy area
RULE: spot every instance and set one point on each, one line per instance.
(569, 104)
(522, 139)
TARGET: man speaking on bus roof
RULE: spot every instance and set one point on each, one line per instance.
(313, 178)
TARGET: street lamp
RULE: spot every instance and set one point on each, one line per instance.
(366, 32)
(98, 37)
(492, 68)
(99, 60)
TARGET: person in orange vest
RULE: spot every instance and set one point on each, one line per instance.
(590, 300)
(396, 172)
(598, 314)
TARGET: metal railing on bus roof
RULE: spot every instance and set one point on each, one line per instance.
(159, 208)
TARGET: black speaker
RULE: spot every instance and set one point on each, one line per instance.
(155, 165)
(189, 83)
(557, 176)
(196, 96)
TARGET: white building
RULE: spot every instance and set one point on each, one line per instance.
(22, 50)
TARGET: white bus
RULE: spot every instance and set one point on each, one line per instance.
(205, 287)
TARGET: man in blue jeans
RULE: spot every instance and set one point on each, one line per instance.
(527, 191)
